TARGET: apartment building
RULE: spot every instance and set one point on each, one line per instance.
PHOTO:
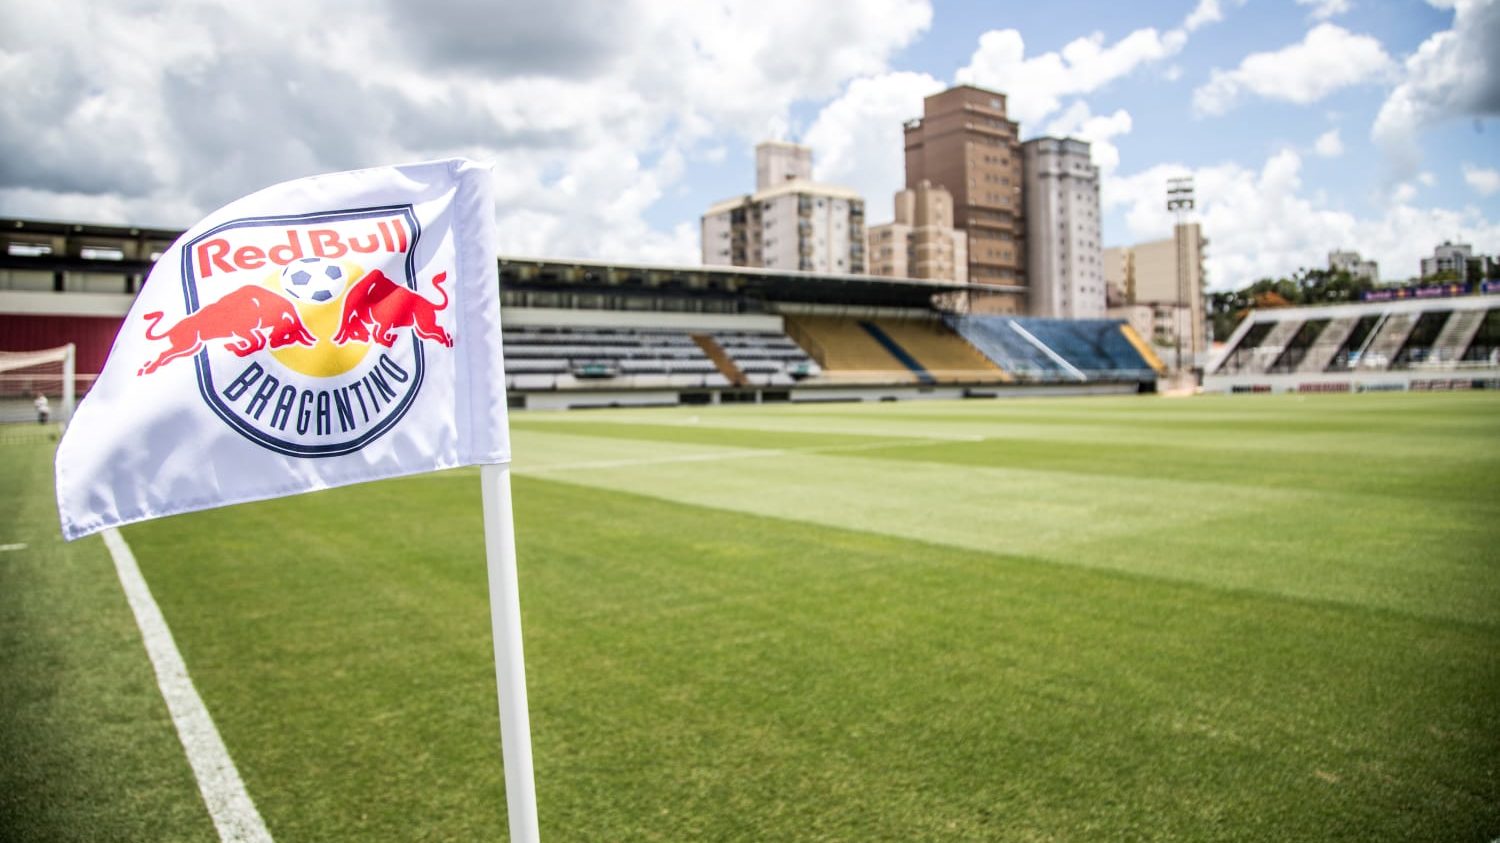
(921, 242)
(1064, 261)
(964, 142)
(790, 222)
(1161, 283)
(1356, 266)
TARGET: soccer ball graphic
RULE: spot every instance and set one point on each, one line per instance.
(313, 280)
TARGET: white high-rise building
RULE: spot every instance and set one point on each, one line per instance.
(1452, 258)
(1356, 266)
(1064, 262)
(790, 222)
(778, 162)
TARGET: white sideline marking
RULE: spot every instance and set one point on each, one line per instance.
(229, 805)
(7, 547)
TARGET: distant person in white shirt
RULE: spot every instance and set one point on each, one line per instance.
(43, 409)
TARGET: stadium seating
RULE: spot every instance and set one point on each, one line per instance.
(561, 358)
(1387, 341)
(1056, 350)
(538, 358)
(761, 358)
(1456, 336)
(1143, 348)
(847, 351)
(924, 351)
(1095, 346)
(944, 355)
(1321, 353)
(1260, 347)
(1012, 350)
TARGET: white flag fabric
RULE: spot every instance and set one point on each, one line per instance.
(320, 332)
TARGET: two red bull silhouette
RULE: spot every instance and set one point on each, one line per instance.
(376, 306)
(253, 318)
(249, 318)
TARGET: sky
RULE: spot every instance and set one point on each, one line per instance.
(1308, 125)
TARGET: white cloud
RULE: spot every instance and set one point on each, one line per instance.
(1099, 130)
(1259, 223)
(1206, 12)
(1454, 73)
(1327, 59)
(857, 138)
(1325, 9)
(1484, 180)
(1329, 145)
(156, 112)
(1035, 86)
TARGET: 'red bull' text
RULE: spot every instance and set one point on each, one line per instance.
(220, 255)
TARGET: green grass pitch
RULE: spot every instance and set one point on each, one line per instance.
(1250, 618)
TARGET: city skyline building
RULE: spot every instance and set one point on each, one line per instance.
(921, 242)
(1457, 261)
(1159, 286)
(790, 222)
(965, 142)
(1351, 262)
(778, 162)
(1064, 267)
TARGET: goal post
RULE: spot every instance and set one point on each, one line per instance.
(31, 381)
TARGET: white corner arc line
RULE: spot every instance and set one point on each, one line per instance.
(224, 794)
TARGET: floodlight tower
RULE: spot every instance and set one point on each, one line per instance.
(1181, 203)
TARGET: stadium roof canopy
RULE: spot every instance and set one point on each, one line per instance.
(87, 247)
(766, 285)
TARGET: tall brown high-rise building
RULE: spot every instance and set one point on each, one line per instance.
(964, 142)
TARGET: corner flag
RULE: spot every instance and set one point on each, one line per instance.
(321, 332)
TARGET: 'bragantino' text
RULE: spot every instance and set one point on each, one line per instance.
(353, 406)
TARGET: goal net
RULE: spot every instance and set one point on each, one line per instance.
(37, 386)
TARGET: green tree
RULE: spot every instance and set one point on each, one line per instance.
(1305, 286)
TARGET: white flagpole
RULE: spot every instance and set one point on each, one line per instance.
(510, 665)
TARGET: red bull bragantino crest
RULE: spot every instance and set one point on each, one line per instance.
(318, 332)
(307, 331)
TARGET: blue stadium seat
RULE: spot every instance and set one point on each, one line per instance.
(1080, 349)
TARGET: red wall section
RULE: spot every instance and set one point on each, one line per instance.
(93, 336)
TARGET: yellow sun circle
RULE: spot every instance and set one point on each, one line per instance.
(325, 359)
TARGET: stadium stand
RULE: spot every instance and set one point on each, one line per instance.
(1412, 343)
(1457, 335)
(1143, 348)
(601, 334)
(1297, 347)
(1057, 350)
(1014, 351)
(1390, 335)
(562, 357)
(1097, 347)
(1417, 350)
(846, 350)
(761, 358)
(1334, 336)
(727, 367)
(1485, 346)
(1272, 346)
(942, 354)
